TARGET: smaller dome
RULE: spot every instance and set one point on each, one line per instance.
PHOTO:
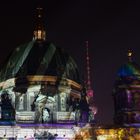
(130, 69)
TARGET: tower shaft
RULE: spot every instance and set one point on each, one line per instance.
(88, 82)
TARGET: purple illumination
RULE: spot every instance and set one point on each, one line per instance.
(90, 93)
(49, 125)
(129, 97)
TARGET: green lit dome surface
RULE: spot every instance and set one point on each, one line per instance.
(131, 69)
(35, 58)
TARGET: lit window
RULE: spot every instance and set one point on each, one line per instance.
(39, 32)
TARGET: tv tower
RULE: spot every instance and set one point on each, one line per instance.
(89, 90)
(88, 80)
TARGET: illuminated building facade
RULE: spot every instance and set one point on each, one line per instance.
(127, 94)
(33, 82)
(41, 94)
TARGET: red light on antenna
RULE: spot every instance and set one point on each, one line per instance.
(90, 93)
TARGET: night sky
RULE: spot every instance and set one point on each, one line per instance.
(111, 27)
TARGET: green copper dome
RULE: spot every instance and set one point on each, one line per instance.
(42, 58)
(131, 69)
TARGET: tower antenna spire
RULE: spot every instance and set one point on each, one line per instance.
(89, 90)
(39, 33)
(88, 82)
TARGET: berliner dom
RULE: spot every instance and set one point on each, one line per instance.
(41, 93)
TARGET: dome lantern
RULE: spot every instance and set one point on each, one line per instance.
(39, 33)
(129, 54)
